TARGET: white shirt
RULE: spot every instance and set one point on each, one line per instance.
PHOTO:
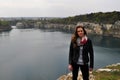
(80, 59)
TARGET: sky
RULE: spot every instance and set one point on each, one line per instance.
(55, 8)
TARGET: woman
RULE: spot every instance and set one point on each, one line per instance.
(80, 54)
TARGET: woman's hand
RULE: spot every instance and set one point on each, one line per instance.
(70, 67)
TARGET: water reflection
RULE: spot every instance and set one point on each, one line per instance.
(105, 41)
(6, 33)
(101, 41)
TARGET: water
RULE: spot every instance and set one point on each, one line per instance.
(33, 54)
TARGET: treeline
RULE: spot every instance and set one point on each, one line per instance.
(100, 17)
(4, 23)
(5, 26)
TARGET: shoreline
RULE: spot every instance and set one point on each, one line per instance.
(95, 73)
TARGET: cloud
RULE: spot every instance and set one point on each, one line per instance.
(55, 8)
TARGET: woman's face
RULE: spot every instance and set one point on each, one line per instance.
(80, 32)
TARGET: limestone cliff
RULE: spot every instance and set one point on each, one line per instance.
(92, 28)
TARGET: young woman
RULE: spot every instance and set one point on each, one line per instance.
(81, 54)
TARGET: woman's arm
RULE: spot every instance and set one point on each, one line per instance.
(70, 57)
(91, 52)
(70, 53)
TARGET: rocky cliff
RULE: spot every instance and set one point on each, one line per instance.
(92, 28)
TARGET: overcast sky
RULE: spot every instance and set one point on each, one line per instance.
(55, 8)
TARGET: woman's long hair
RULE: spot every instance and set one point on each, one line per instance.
(75, 35)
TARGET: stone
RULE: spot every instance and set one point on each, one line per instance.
(69, 76)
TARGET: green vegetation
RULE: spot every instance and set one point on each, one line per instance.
(115, 75)
(114, 67)
(100, 17)
(4, 23)
(4, 26)
(110, 75)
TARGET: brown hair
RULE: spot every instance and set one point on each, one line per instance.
(75, 35)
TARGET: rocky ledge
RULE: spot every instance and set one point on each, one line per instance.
(5, 28)
(92, 28)
(69, 76)
(110, 68)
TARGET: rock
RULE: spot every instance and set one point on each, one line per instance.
(117, 64)
(91, 77)
(117, 23)
(24, 25)
(107, 70)
(91, 28)
(69, 76)
(20, 25)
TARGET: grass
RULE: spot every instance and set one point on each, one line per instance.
(104, 75)
(115, 75)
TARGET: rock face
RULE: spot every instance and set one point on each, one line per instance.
(91, 28)
(23, 25)
(63, 27)
(103, 29)
(20, 25)
(115, 29)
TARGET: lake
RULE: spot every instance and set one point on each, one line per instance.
(34, 54)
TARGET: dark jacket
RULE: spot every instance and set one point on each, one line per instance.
(88, 54)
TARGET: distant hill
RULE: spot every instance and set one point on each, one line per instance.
(99, 17)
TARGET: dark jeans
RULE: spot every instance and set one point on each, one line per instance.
(84, 70)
